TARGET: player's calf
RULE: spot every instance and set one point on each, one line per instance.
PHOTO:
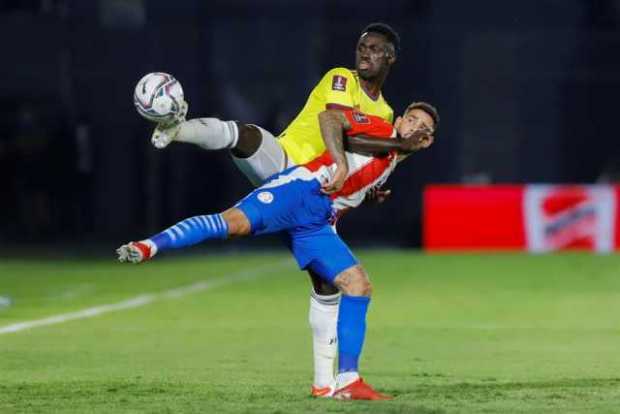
(356, 290)
(248, 141)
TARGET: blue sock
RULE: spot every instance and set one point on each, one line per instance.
(351, 331)
(191, 231)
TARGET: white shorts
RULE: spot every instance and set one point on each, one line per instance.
(268, 160)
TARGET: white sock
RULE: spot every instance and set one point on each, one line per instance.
(323, 317)
(345, 378)
(209, 133)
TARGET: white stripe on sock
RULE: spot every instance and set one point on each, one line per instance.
(212, 223)
(196, 222)
(171, 234)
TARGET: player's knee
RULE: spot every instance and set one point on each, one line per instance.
(249, 141)
(364, 288)
(359, 286)
(354, 282)
(238, 223)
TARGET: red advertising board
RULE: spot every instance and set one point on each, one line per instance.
(537, 218)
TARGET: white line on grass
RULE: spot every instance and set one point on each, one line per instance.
(147, 298)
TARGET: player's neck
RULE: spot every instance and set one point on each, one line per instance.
(372, 87)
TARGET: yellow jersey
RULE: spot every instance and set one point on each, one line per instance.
(339, 88)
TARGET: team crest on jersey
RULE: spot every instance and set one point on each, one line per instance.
(360, 118)
(265, 197)
(339, 83)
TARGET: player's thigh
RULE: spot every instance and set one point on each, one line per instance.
(324, 253)
(269, 159)
(285, 202)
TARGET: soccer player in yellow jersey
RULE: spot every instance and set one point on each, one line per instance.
(259, 154)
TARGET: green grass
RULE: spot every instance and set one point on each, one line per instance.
(446, 333)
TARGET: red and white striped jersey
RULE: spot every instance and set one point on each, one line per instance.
(365, 172)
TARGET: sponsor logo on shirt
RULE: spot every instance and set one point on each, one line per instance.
(265, 197)
(339, 83)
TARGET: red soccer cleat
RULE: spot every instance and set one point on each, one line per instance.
(359, 390)
(322, 392)
(134, 252)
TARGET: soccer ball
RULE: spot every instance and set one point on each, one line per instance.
(159, 98)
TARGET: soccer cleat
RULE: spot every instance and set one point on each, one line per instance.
(164, 135)
(134, 252)
(359, 390)
(322, 392)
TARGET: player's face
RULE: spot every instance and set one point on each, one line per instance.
(415, 120)
(373, 55)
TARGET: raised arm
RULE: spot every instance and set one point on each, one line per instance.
(333, 125)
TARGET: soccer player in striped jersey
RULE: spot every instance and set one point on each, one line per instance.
(259, 155)
(303, 202)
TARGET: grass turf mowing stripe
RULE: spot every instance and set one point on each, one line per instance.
(145, 299)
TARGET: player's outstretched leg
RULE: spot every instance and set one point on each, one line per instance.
(212, 134)
(356, 292)
(254, 150)
(188, 232)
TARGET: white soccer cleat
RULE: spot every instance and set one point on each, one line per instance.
(134, 252)
(164, 135)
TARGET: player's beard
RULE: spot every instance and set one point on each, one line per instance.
(366, 75)
(370, 75)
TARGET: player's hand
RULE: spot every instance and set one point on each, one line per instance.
(337, 181)
(377, 195)
(417, 140)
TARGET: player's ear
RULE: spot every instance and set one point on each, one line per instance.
(398, 122)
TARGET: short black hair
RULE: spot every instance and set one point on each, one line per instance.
(428, 108)
(387, 31)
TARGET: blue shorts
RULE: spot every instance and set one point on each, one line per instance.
(287, 203)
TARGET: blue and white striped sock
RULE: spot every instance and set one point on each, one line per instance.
(191, 231)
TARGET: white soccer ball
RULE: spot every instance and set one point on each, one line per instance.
(159, 98)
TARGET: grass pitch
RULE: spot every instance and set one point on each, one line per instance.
(446, 333)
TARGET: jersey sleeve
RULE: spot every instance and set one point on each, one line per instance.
(337, 87)
(370, 125)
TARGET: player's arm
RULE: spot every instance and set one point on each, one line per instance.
(369, 145)
(333, 125)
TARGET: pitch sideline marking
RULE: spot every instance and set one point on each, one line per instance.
(144, 299)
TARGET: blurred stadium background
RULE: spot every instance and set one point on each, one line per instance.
(527, 92)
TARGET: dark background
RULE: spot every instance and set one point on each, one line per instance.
(527, 92)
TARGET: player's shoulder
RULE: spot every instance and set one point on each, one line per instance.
(338, 80)
(358, 117)
(350, 73)
(340, 72)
